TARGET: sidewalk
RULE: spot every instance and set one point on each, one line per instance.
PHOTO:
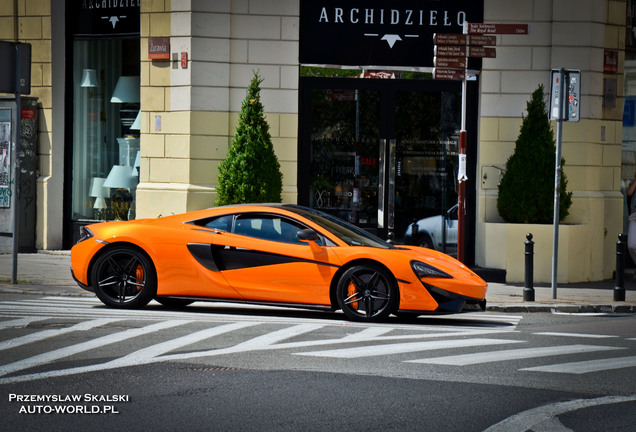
(48, 273)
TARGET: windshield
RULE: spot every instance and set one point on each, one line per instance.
(348, 233)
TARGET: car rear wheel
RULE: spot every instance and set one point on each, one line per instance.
(366, 293)
(123, 277)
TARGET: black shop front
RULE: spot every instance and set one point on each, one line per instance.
(378, 137)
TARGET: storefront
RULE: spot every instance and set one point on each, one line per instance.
(378, 137)
(103, 144)
(359, 126)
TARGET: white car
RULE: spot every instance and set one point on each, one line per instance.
(429, 233)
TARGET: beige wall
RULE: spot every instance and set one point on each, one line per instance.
(31, 23)
(573, 35)
(197, 106)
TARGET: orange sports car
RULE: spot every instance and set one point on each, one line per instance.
(268, 254)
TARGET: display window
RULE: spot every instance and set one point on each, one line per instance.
(102, 110)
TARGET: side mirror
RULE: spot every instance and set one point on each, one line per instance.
(307, 235)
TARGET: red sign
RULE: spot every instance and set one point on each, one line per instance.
(184, 60)
(449, 74)
(159, 48)
(28, 114)
(610, 61)
(486, 28)
(450, 62)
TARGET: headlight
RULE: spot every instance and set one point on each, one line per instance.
(423, 270)
(85, 234)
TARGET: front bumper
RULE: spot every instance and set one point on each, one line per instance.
(81, 285)
(449, 302)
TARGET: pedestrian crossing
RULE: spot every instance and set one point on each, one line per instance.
(159, 335)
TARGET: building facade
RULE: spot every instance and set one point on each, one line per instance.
(138, 101)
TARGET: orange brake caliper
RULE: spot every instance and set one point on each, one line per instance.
(139, 274)
(351, 290)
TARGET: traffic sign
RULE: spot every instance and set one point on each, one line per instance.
(463, 51)
(449, 39)
(487, 28)
(462, 39)
(572, 87)
(449, 74)
(450, 62)
(479, 51)
(483, 40)
(449, 51)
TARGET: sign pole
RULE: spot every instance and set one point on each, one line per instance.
(15, 202)
(461, 198)
(557, 180)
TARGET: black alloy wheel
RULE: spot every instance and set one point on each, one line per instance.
(367, 293)
(123, 277)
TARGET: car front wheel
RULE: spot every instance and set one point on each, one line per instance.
(123, 277)
(366, 293)
(425, 242)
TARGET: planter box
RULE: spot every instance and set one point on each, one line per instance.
(502, 246)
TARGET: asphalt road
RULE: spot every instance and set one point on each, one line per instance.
(220, 368)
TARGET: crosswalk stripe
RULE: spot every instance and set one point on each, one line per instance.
(378, 350)
(20, 322)
(46, 334)
(515, 354)
(576, 335)
(587, 366)
(152, 354)
(85, 346)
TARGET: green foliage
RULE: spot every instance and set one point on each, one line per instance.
(251, 172)
(526, 191)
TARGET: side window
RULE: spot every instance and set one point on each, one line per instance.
(221, 223)
(268, 227)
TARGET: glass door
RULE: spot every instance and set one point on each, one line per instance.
(383, 154)
(344, 154)
(427, 125)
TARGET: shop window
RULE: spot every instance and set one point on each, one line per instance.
(105, 158)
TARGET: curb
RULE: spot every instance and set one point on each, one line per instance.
(573, 309)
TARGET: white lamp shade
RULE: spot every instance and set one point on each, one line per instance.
(89, 78)
(100, 203)
(97, 188)
(120, 177)
(137, 123)
(126, 90)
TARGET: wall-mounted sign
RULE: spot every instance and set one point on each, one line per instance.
(159, 48)
(91, 19)
(9, 56)
(610, 61)
(490, 28)
(380, 33)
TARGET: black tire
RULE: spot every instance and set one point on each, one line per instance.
(367, 293)
(425, 241)
(124, 278)
(174, 303)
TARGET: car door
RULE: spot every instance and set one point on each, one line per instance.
(263, 259)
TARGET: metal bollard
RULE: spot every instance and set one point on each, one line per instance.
(528, 291)
(619, 286)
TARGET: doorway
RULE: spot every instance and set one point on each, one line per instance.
(383, 154)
